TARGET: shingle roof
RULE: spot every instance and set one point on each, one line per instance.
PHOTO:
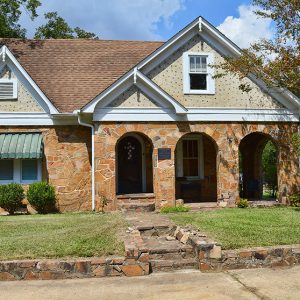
(73, 72)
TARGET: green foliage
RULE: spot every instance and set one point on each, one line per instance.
(242, 203)
(11, 196)
(10, 12)
(41, 196)
(58, 28)
(269, 164)
(295, 200)
(174, 209)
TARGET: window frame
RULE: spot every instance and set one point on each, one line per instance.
(17, 173)
(15, 88)
(179, 156)
(210, 81)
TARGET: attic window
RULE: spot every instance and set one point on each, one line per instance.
(8, 89)
(197, 73)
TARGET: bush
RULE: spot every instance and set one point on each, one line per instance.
(41, 196)
(11, 196)
(242, 203)
(174, 209)
(295, 200)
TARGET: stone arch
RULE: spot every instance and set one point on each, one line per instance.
(196, 156)
(134, 167)
(251, 176)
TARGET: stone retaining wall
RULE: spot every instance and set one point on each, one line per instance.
(213, 259)
(77, 268)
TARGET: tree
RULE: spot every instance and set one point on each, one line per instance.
(276, 61)
(58, 28)
(10, 12)
(269, 164)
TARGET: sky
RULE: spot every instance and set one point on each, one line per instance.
(156, 20)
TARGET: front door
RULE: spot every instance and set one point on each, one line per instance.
(130, 173)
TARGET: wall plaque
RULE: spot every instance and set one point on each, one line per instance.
(164, 153)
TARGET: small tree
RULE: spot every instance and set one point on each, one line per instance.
(11, 196)
(41, 196)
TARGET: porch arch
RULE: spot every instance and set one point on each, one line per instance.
(196, 168)
(252, 175)
(134, 170)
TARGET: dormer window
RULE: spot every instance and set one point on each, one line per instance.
(197, 73)
(8, 89)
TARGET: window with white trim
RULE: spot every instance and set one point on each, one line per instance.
(189, 157)
(8, 89)
(23, 171)
(198, 73)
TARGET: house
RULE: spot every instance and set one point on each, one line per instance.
(140, 124)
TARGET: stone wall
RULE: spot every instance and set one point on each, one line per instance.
(66, 164)
(227, 137)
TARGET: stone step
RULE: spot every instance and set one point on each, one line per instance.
(136, 206)
(165, 265)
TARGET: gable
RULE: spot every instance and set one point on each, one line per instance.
(133, 98)
(169, 76)
(25, 102)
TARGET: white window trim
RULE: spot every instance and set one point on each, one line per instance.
(210, 73)
(17, 173)
(15, 88)
(179, 157)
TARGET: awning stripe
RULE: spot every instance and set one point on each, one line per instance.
(21, 145)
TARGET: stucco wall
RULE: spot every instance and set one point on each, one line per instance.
(133, 97)
(169, 76)
(25, 101)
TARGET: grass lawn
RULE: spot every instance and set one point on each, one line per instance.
(238, 228)
(61, 235)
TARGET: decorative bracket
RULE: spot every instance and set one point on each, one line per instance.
(200, 24)
(3, 53)
(134, 75)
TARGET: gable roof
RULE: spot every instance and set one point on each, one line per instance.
(72, 72)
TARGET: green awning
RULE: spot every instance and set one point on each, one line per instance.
(21, 145)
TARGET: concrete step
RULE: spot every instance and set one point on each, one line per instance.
(165, 265)
(136, 206)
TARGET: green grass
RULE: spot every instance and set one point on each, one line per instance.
(174, 209)
(238, 228)
(60, 235)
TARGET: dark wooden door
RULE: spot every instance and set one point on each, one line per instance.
(130, 175)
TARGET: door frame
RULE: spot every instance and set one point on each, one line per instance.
(142, 143)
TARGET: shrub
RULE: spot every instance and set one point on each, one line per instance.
(41, 196)
(11, 196)
(242, 203)
(295, 200)
(174, 209)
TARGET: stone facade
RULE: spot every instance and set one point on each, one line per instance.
(227, 137)
(66, 163)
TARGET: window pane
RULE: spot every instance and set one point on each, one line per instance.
(192, 64)
(198, 81)
(204, 64)
(198, 63)
(29, 169)
(6, 169)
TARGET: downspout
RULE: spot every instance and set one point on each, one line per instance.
(93, 155)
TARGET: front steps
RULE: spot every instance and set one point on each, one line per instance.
(144, 202)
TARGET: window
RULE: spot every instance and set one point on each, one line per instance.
(189, 157)
(6, 170)
(197, 73)
(8, 89)
(23, 171)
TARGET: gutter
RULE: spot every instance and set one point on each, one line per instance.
(93, 155)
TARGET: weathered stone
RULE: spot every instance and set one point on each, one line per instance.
(31, 275)
(245, 254)
(170, 238)
(50, 275)
(215, 252)
(261, 254)
(5, 276)
(82, 266)
(133, 270)
(144, 257)
(99, 271)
